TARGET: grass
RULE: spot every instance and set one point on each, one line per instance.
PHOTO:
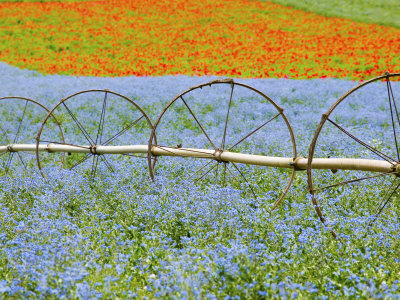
(383, 12)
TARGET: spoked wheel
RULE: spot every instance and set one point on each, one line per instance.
(91, 119)
(220, 116)
(20, 121)
(363, 124)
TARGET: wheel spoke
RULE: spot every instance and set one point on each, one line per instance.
(22, 161)
(104, 159)
(372, 149)
(394, 102)
(5, 134)
(388, 85)
(4, 153)
(94, 166)
(199, 169)
(198, 123)
(8, 164)
(233, 175)
(101, 122)
(20, 123)
(118, 134)
(381, 207)
(82, 160)
(216, 174)
(254, 131)
(208, 171)
(245, 179)
(224, 176)
(227, 117)
(387, 192)
(354, 180)
(185, 149)
(81, 128)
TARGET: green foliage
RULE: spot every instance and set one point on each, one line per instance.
(383, 12)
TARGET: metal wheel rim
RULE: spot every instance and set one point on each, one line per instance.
(150, 161)
(49, 114)
(324, 118)
(230, 81)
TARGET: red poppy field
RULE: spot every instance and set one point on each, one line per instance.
(247, 39)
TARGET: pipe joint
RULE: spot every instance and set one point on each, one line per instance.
(217, 155)
(93, 150)
(10, 148)
(295, 163)
(396, 169)
(48, 148)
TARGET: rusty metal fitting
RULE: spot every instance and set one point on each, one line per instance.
(225, 80)
(217, 155)
(396, 169)
(48, 149)
(295, 163)
(324, 117)
(93, 150)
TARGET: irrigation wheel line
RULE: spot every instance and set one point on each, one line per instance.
(92, 130)
(222, 151)
(27, 109)
(387, 165)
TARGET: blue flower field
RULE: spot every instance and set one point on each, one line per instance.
(119, 234)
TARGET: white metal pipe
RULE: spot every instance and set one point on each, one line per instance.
(281, 162)
(22, 148)
(98, 149)
(138, 149)
(3, 149)
(67, 148)
(347, 164)
(74, 149)
(261, 160)
(189, 152)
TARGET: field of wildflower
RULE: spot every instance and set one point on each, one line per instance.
(121, 235)
(250, 39)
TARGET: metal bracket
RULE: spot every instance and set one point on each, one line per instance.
(294, 163)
